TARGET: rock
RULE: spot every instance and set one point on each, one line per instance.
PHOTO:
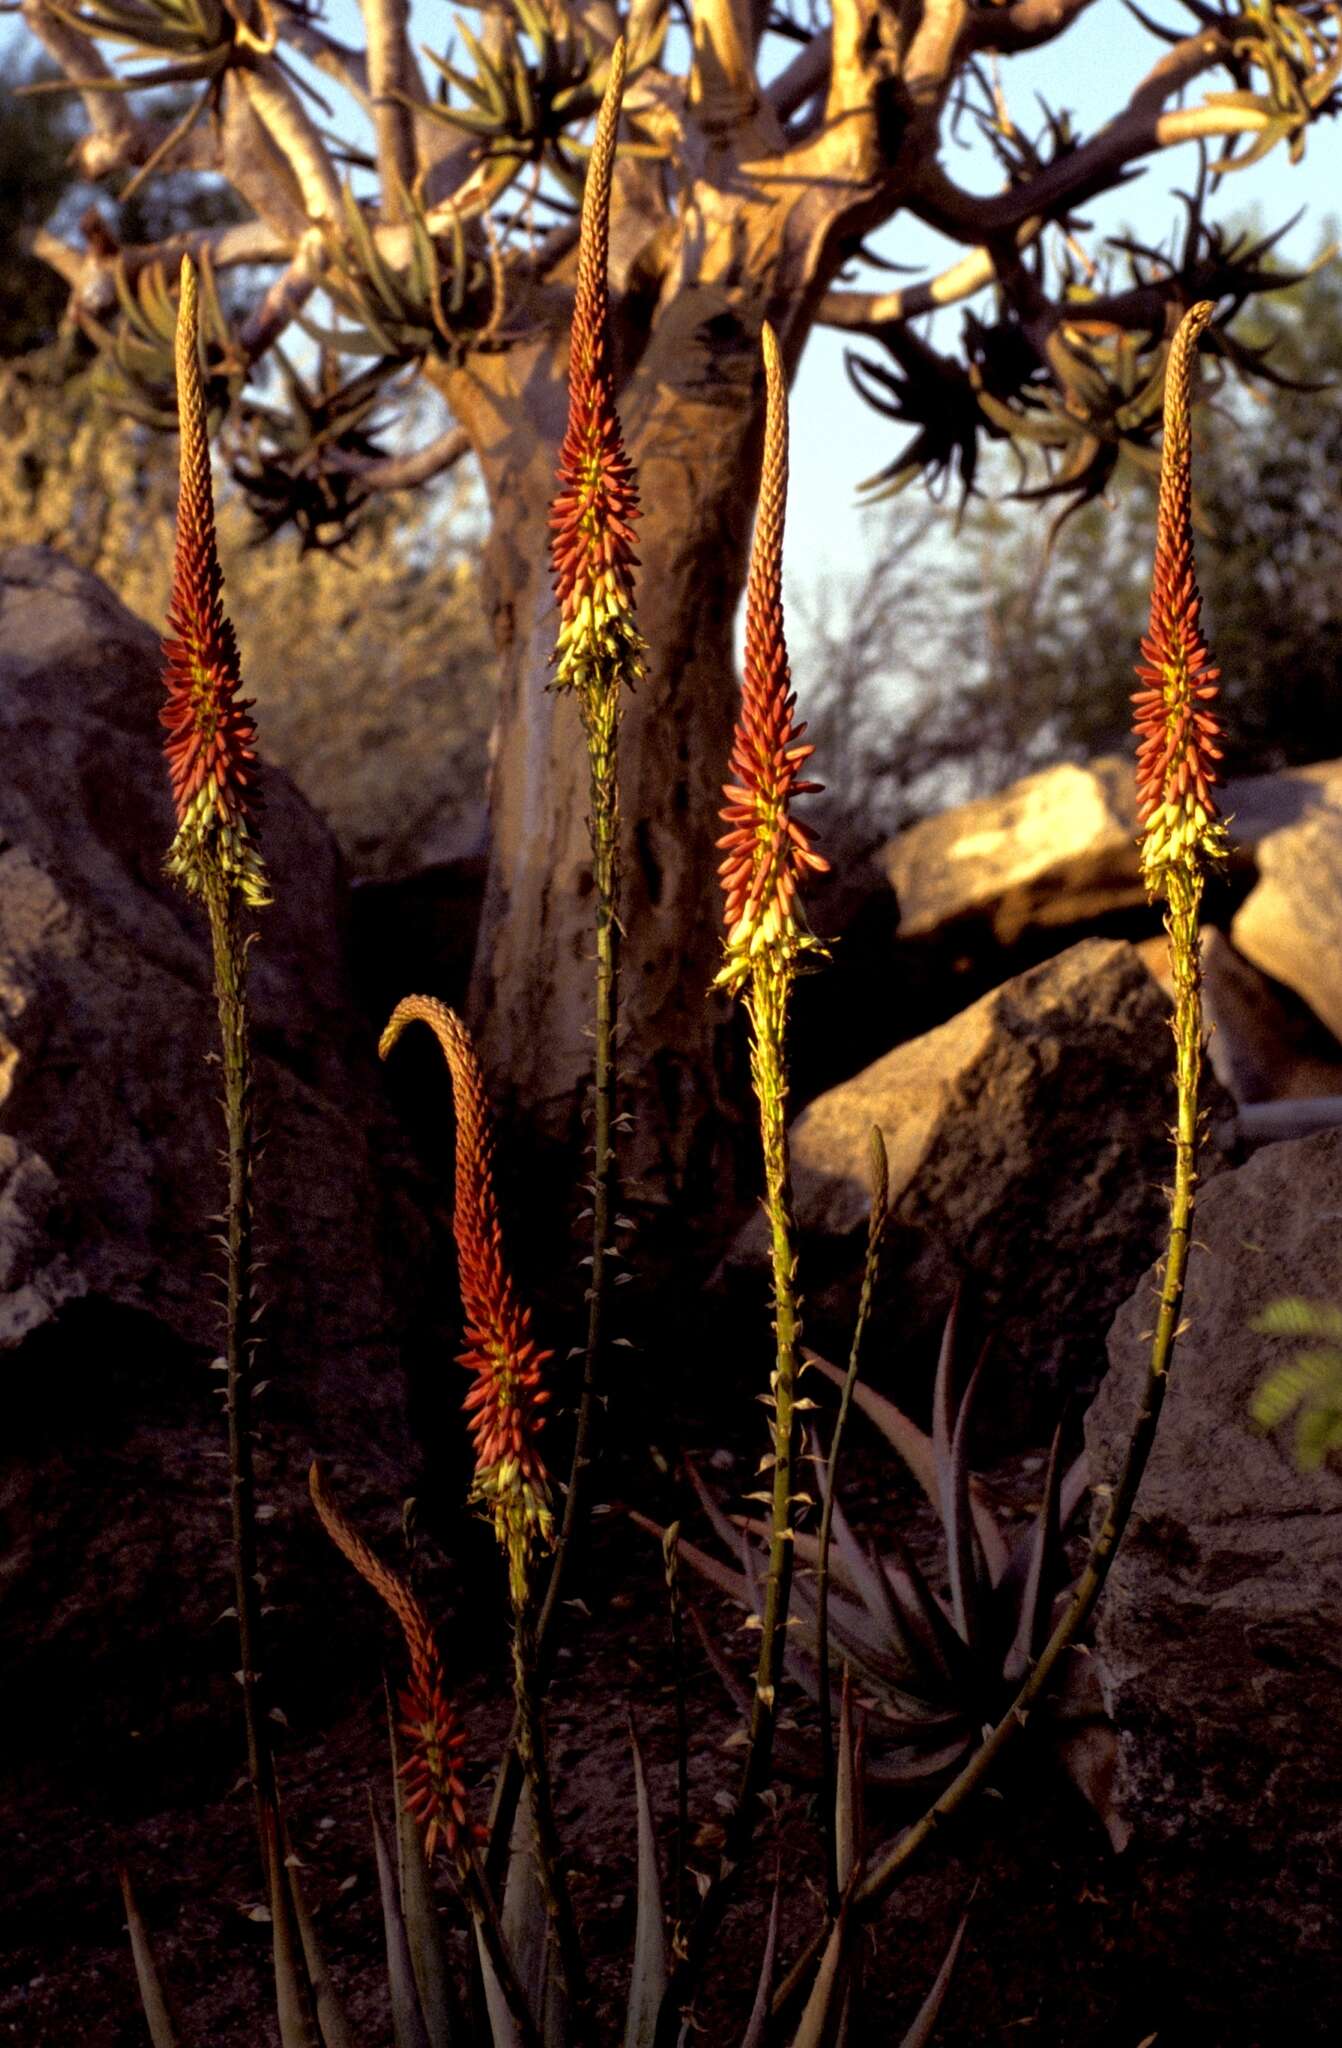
(110, 1172)
(1056, 849)
(1028, 1144)
(1288, 924)
(1219, 1629)
(1263, 1043)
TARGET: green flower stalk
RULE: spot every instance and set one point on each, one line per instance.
(509, 1396)
(1178, 749)
(507, 1405)
(768, 854)
(210, 751)
(599, 654)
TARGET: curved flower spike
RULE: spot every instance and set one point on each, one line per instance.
(211, 743)
(596, 505)
(506, 1403)
(1177, 730)
(768, 853)
(435, 1791)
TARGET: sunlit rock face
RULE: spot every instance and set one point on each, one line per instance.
(1028, 1145)
(1055, 849)
(1217, 1639)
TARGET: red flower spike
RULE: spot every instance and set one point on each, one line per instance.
(768, 853)
(596, 506)
(506, 1403)
(434, 1788)
(1176, 730)
(211, 743)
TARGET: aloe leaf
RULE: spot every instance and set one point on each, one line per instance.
(503, 2028)
(757, 2026)
(845, 1792)
(826, 1997)
(528, 1934)
(331, 2017)
(647, 1982)
(958, 1519)
(927, 1617)
(1036, 1608)
(294, 2005)
(153, 1998)
(423, 1933)
(407, 2019)
(920, 2033)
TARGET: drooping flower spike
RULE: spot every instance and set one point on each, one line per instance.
(1177, 730)
(767, 852)
(596, 505)
(435, 1791)
(507, 1403)
(211, 743)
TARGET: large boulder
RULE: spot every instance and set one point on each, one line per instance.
(1264, 1044)
(110, 1173)
(1056, 849)
(1288, 924)
(1028, 1143)
(1218, 1635)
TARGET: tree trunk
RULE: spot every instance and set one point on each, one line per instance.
(691, 422)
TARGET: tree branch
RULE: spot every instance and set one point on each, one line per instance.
(80, 60)
(393, 78)
(723, 89)
(1022, 24)
(934, 49)
(800, 80)
(99, 154)
(291, 128)
(1140, 130)
(868, 312)
(406, 472)
(285, 298)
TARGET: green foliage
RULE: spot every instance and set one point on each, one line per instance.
(1310, 1386)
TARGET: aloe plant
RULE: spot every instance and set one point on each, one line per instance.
(934, 1665)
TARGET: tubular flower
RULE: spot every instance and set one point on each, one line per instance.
(1177, 731)
(596, 505)
(435, 1792)
(767, 852)
(506, 1404)
(211, 743)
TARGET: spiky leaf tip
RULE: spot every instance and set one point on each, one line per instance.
(211, 742)
(1177, 730)
(507, 1402)
(767, 853)
(595, 508)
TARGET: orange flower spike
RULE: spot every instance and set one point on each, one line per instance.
(435, 1790)
(767, 852)
(1177, 731)
(596, 505)
(211, 743)
(506, 1405)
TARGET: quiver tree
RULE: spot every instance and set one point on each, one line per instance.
(428, 224)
